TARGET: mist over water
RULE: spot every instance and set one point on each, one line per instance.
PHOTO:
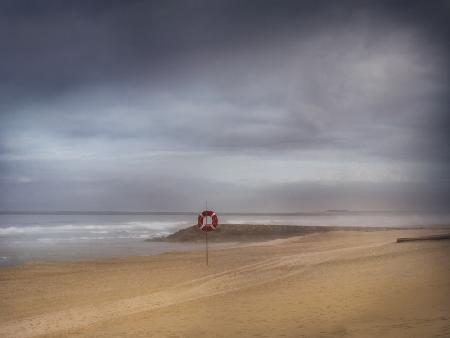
(25, 238)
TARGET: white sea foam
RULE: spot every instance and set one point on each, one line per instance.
(82, 238)
(128, 227)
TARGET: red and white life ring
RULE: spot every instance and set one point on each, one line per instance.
(211, 226)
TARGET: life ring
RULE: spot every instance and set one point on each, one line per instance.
(211, 226)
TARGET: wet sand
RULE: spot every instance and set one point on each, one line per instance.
(331, 284)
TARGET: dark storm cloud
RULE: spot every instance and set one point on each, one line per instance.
(94, 92)
(51, 46)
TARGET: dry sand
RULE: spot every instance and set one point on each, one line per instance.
(333, 284)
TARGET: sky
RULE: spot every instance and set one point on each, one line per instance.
(258, 106)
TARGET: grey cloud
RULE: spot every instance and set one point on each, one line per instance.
(50, 47)
(188, 194)
(94, 89)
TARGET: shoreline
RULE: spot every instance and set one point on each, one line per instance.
(184, 240)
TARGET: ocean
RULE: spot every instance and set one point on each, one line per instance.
(74, 236)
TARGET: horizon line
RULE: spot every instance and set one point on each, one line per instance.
(249, 213)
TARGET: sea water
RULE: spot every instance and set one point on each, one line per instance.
(52, 237)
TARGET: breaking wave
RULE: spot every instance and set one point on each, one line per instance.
(128, 227)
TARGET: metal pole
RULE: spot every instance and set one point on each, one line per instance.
(206, 234)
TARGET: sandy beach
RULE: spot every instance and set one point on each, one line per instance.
(330, 284)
